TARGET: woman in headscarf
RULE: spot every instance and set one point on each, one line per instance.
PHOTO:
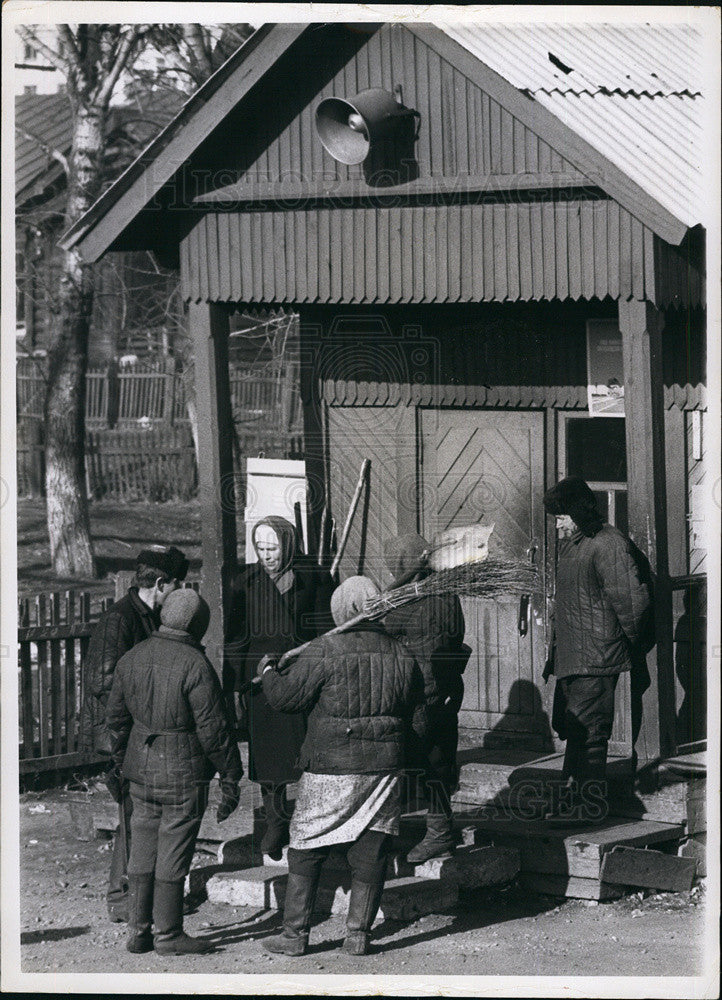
(364, 694)
(278, 603)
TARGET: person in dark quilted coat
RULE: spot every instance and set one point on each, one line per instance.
(433, 631)
(172, 733)
(363, 693)
(278, 602)
(127, 622)
(601, 611)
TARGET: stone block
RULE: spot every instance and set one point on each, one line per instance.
(475, 867)
(263, 888)
(409, 898)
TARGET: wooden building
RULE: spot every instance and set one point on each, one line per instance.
(445, 288)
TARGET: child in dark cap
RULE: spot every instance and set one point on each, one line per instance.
(127, 622)
(171, 731)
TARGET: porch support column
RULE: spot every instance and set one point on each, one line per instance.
(209, 329)
(641, 327)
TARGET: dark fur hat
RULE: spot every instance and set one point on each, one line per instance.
(170, 561)
(572, 496)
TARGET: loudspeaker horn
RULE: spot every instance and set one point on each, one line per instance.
(348, 129)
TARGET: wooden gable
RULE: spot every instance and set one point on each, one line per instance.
(463, 133)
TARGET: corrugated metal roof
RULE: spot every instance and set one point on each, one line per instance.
(634, 92)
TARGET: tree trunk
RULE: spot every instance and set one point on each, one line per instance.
(71, 547)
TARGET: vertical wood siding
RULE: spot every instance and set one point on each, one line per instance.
(500, 252)
(463, 131)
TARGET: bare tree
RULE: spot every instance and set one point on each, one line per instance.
(92, 59)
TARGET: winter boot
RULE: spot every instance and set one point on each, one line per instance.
(362, 909)
(276, 808)
(169, 938)
(140, 913)
(297, 912)
(438, 842)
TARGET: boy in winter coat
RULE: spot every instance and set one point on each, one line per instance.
(172, 733)
(127, 622)
(600, 613)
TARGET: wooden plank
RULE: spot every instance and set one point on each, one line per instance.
(384, 263)
(56, 683)
(625, 256)
(526, 288)
(569, 886)
(27, 700)
(561, 212)
(586, 219)
(648, 869)
(637, 260)
(500, 282)
(478, 252)
(398, 251)
(549, 250)
(209, 327)
(641, 327)
(537, 250)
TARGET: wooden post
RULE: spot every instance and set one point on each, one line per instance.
(209, 329)
(641, 327)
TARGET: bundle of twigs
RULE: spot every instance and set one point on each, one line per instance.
(486, 578)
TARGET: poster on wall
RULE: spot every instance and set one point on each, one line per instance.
(605, 369)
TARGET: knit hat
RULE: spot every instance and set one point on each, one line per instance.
(406, 555)
(347, 600)
(170, 561)
(186, 611)
(572, 496)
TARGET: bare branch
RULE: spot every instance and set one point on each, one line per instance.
(68, 39)
(54, 153)
(193, 35)
(55, 59)
(125, 48)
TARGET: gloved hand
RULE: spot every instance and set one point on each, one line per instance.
(230, 797)
(269, 660)
(114, 783)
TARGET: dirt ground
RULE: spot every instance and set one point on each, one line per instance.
(65, 927)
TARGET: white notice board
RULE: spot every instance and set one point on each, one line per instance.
(273, 486)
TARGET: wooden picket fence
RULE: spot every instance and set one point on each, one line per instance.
(54, 631)
(154, 391)
(155, 464)
(53, 635)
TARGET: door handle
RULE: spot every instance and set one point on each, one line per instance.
(522, 621)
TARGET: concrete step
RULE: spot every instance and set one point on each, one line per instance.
(265, 887)
(474, 867)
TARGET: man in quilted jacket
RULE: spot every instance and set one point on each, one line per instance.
(171, 733)
(127, 622)
(600, 616)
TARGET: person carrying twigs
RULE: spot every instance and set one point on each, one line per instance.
(363, 693)
(432, 629)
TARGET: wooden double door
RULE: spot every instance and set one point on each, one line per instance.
(487, 466)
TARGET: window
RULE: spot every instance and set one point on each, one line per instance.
(30, 53)
(595, 448)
